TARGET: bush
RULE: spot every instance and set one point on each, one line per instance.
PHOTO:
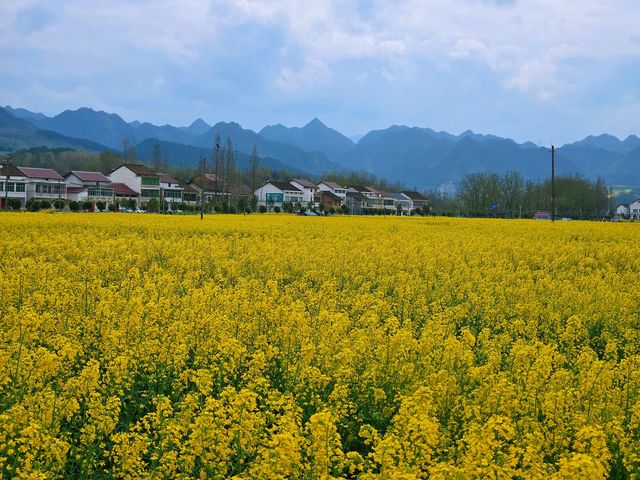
(14, 204)
(87, 206)
(263, 209)
(112, 207)
(303, 210)
(131, 203)
(74, 206)
(248, 210)
(277, 209)
(33, 205)
(232, 209)
(58, 204)
(332, 210)
(45, 204)
(344, 209)
(153, 205)
(100, 205)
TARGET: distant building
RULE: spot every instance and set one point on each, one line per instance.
(622, 211)
(12, 185)
(339, 190)
(309, 190)
(170, 189)
(417, 200)
(142, 180)
(88, 186)
(542, 215)
(634, 210)
(273, 194)
(330, 199)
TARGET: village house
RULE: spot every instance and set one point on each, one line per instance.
(358, 203)
(41, 184)
(142, 180)
(326, 186)
(401, 203)
(88, 186)
(634, 210)
(622, 211)
(330, 200)
(215, 189)
(170, 189)
(309, 190)
(273, 194)
(12, 185)
(417, 200)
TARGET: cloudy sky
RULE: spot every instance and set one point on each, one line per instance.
(539, 70)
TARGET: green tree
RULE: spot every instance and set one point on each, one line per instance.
(153, 205)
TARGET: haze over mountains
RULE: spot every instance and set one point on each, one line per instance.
(420, 158)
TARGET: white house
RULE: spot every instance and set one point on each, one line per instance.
(339, 190)
(278, 193)
(417, 200)
(89, 186)
(622, 211)
(634, 210)
(170, 189)
(43, 184)
(309, 189)
(12, 185)
(142, 180)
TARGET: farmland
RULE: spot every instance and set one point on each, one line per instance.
(273, 346)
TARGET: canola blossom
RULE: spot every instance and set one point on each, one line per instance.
(273, 346)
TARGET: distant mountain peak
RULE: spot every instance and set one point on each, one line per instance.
(198, 122)
(315, 123)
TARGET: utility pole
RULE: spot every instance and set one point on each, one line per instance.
(202, 163)
(553, 183)
(6, 183)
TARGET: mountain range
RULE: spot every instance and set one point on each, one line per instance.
(421, 158)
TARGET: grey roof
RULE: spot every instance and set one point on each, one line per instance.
(414, 195)
(285, 186)
(139, 170)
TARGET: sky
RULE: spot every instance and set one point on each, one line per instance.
(547, 71)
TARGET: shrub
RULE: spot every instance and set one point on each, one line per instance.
(74, 206)
(100, 205)
(33, 205)
(58, 204)
(14, 204)
(277, 209)
(112, 207)
(153, 205)
(87, 206)
(45, 204)
(263, 209)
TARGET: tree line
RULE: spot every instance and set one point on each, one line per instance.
(512, 196)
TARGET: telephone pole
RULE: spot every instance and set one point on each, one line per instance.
(553, 183)
(202, 163)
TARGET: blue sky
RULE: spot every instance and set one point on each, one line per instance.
(540, 70)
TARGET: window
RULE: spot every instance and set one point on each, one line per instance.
(150, 193)
(20, 187)
(172, 194)
(150, 181)
(93, 191)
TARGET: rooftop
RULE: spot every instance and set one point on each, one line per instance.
(285, 186)
(414, 195)
(332, 185)
(139, 170)
(305, 183)
(122, 190)
(89, 176)
(40, 173)
(11, 170)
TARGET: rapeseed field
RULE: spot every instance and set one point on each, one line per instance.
(273, 346)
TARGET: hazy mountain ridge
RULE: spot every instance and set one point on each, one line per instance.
(421, 157)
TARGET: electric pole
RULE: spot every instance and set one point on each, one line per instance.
(202, 163)
(553, 183)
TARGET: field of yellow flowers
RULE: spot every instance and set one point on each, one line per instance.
(273, 346)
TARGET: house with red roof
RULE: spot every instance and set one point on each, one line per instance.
(30, 183)
(89, 186)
